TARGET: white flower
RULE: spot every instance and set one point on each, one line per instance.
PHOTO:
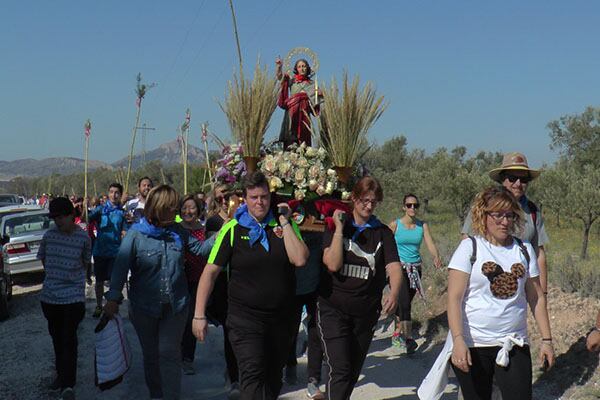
(331, 172)
(320, 190)
(299, 175)
(275, 183)
(299, 194)
(345, 195)
(313, 172)
(284, 167)
(313, 184)
(329, 188)
(302, 162)
(311, 152)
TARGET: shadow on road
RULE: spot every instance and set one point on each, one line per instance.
(575, 367)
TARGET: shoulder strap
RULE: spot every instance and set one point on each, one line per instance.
(474, 252)
(523, 249)
(533, 208)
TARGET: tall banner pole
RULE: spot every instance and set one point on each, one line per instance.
(205, 142)
(88, 131)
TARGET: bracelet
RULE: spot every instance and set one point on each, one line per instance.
(285, 223)
(338, 234)
(457, 335)
(546, 339)
(200, 318)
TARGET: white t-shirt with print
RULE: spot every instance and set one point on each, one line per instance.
(486, 318)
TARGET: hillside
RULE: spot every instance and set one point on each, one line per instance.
(167, 153)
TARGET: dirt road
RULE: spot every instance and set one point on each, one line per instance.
(26, 362)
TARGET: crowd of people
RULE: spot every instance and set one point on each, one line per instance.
(189, 262)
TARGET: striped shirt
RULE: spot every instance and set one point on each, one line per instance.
(65, 256)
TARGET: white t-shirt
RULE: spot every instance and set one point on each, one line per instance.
(488, 318)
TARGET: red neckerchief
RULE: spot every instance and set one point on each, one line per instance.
(301, 78)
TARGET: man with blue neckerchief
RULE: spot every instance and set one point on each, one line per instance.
(262, 251)
(110, 220)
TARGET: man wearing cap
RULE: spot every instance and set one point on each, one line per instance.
(514, 174)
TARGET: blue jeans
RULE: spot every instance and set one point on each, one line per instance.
(160, 339)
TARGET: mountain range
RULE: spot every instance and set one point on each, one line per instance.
(167, 153)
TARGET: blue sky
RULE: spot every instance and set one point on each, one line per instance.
(486, 75)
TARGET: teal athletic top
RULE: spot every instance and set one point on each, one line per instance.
(409, 241)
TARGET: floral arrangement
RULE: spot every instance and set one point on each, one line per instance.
(301, 171)
(231, 167)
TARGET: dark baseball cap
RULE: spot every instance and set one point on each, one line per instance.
(60, 206)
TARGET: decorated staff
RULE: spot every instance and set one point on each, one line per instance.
(185, 134)
(88, 130)
(205, 142)
(140, 90)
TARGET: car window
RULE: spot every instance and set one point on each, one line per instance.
(4, 198)
(27, 223)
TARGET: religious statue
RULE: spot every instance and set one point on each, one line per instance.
(299, 97)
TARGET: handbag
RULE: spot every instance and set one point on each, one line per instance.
(112, 357)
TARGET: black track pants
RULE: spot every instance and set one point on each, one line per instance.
(346, 340)
(261, 348)
(514, 380)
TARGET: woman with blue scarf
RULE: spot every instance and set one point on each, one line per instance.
(153, 250)
(358, 255)
(262, 252)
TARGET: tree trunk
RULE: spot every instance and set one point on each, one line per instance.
(586, 236)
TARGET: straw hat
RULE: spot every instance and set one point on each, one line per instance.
(513, 162)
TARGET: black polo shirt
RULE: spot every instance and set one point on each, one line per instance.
(261, 283)
(357, 287)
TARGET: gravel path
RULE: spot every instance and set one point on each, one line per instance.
(26, 366)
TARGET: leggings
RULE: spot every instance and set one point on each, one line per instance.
(514, 381)
(346, 340)
(406, 297)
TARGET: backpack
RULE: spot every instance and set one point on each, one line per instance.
(519, 242)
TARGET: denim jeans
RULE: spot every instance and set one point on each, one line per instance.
(160, 339)
(63, 320)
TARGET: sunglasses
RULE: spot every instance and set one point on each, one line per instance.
(513, 178)
(499, 216)
(220, 199)
(412, 205)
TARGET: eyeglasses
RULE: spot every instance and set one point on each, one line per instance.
(366, 202)
(499, 216)
(514, 178)
(412, 205)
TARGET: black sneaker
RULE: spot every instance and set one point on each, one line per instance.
(67, 394)
(411, 346)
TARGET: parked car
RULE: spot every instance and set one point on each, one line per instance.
(20, 235)
(17, 208)
(8, 199)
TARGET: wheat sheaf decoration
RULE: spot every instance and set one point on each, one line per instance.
(249, 106)
(346, 118)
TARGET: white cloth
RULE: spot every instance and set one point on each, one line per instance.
(503, 359)
(434, 384)
(488, 319)
(113, 354)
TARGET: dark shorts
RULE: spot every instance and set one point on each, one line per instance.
(103, 268)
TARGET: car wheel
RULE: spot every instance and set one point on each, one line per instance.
(10, 288)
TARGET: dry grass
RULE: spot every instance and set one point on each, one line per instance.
(346, 119)
(249, 105)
